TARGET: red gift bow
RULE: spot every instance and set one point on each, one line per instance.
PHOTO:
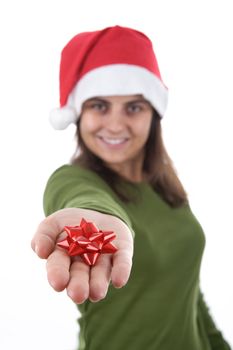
(87, 241)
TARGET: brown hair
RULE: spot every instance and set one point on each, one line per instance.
(157, 165)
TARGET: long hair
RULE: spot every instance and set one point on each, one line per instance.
(158, 167)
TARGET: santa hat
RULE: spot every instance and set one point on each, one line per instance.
(112, 61)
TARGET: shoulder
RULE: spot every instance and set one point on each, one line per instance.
(72, 170)
(68, 177)
(68, 172)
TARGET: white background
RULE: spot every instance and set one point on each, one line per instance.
(193, 43)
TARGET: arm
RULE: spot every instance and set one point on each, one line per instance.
(69, 197)
(215, 336)
(75, 187)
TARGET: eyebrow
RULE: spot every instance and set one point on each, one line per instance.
(137, 100)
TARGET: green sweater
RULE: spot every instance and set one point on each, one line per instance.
(161, 307)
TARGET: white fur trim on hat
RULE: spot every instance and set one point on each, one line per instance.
(120, 79)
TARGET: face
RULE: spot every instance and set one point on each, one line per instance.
(116, 128)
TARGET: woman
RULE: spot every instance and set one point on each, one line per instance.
(123, 179)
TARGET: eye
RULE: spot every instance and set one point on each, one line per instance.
(134, 108)
(98, 106)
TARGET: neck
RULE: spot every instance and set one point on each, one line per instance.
(132, 172)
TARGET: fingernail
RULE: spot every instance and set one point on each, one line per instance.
(70, 294)
(53, 284)
(99, 298)
(93, 301)
(37, 249)
(118, 287)
(76, 299)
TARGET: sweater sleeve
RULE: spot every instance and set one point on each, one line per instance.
(216, 339)
(76, 187)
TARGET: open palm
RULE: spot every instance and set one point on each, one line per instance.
(80, 280)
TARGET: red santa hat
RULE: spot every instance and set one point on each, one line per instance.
(113, 61)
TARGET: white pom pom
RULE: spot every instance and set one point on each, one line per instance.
(60, 118)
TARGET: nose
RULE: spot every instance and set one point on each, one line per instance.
(115, 121)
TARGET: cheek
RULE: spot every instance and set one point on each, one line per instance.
(142, 129)
(88, 124)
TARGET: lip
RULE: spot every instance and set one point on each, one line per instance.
(113, 145)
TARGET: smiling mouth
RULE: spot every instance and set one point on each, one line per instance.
(112, 141)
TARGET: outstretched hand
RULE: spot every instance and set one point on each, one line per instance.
(80, 280)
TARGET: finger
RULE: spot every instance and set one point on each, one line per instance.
(44, 240)
(58, 265)
(122, 264)
(78, 287)
(100, 278)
